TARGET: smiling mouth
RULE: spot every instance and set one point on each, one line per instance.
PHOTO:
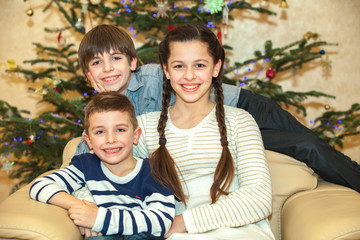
(110, 79)
(190, 86)
(112, 150)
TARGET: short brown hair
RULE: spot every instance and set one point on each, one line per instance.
(104, 38)
(110, 101)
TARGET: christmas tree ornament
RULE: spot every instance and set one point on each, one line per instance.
(283, 4)
(95, 2)
(10, 65)
(326, 64)
(162, 9)
(322, 52)
(79, 24)
(31, 140)
(225, 13)
(30, 12)
(264, 3)
(270, 73)
(219, 35)
(84, 7)
(213, 6)
(7, 166)
(60, 39)
(327, 106)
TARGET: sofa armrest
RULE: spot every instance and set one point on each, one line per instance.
(25, 218)
(328, 212)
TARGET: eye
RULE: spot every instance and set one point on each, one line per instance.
(178, 66)
(96, 62)
(117, 58)
(99, 132)
(121, 130)
(200, 65)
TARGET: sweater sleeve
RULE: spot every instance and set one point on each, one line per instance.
(155, 217)
(252, 201)
(67, 180)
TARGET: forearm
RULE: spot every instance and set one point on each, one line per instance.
(64, 200)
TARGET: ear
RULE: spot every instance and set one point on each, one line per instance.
(137, 133)
(217, 68)
(166, 71)
(87, 139)
(133, 64)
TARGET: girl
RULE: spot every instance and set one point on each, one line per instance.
(210, 154)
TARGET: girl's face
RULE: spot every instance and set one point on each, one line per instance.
(111, 70)
(190, 69)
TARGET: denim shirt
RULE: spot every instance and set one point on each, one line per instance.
(145, 92)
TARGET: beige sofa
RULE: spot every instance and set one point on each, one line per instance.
(303, 207)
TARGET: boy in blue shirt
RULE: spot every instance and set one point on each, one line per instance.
(128, 200)
(108, 59)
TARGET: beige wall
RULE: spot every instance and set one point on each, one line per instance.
(336, 21)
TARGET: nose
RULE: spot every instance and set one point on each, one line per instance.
(190, 74)
(108, 66)
(110, 137)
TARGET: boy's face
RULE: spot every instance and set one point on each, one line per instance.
(111, 70)
(111, 135)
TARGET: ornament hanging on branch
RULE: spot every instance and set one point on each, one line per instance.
(283, 4)
(29, 11)
(7, 166)
(162, 9)
(95, 2)
(31, 140)
(270, 73)
(213, 6)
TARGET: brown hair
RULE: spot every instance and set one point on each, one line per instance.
(104, 38)
(163, 165)
(110, 101)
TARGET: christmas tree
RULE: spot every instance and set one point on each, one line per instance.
(31, 146)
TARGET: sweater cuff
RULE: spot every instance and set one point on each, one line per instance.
(99, 221)
(189, 221)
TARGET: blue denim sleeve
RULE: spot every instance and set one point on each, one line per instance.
(231, 94)
(82, 147)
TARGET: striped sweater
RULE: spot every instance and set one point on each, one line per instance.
(127, 205)
(197, 151)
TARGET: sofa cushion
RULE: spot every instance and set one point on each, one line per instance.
(288, 176)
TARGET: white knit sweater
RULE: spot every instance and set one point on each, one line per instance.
(197, 151)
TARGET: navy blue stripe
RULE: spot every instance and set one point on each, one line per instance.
(68, 186)
(106, 222)
(148, 222)
(161, 222)
(121, 222)
(135, 229)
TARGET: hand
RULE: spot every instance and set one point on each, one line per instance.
(95, 84)
(178, 226)
(84, 214)
(86, 232)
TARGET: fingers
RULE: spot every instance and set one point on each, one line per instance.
(94, 83)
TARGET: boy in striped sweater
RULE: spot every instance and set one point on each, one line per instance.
(128, 200)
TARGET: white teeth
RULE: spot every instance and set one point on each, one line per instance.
(109, 79)
(190, 86)
(112, 150)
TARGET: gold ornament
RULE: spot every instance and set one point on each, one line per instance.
(327, 106)
(283, 4)
(30, 12)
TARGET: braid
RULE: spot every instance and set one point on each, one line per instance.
(224, 172)
(163, 166)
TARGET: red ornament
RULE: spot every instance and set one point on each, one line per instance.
(270, 73)
(56, 89)
(219, 35)
(59, 37)
(30, 142)
(170, 27)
